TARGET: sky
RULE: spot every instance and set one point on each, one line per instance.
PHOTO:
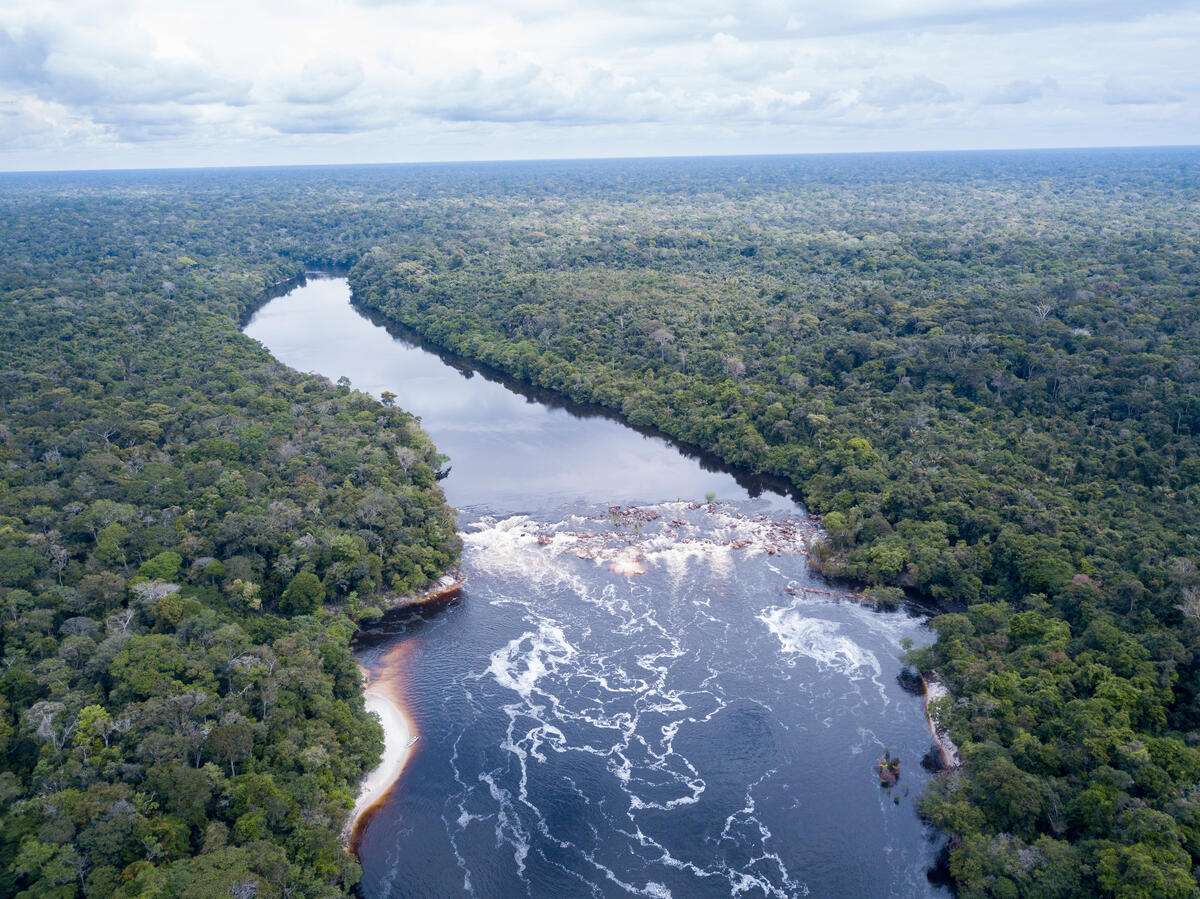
(90, 84)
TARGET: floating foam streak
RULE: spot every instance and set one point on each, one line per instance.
(822, 642)
(599, 694)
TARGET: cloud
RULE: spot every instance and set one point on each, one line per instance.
(892, 92)
(22, 56)
(308, 120)
(326, 80)
(59, 66)
(100, 80)
(553, 76)
(1018, 91)
(765, 20)
(1137, 92)
(30, 124)
(867, 16)
(511, 113)
(516, 92)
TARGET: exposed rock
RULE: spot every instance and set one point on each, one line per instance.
(931, 761)
(888, 769)
(910, 681)
(936, 689)
(445, 587)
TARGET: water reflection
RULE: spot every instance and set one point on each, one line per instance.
(511, 447)
(665, 701)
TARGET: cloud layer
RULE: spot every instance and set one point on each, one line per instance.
(98, 83)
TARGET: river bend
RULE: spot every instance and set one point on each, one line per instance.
(641, 691)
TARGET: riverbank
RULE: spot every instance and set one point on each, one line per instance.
(399, 729)
(383, 695)
(935, 688)
(384, 690)
(444, 587)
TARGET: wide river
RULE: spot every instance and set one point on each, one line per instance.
(640, 691)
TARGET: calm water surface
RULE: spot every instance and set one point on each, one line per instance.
(654, 700)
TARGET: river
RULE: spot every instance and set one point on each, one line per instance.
(642, 690)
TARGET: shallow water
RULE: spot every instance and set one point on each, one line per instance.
(659, 700)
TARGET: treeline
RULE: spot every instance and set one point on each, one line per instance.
(982, 371)
(188, 533)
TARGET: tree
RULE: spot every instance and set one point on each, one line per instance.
(230, 743)
(304, 594)
(163, 567)
(94, 725)
(662, 337)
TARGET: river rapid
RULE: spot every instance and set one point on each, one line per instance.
(640, 691)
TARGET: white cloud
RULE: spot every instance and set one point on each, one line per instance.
(890, 92)
(1018, 91)
(1137, 92)
(325, 80)
(380, 80)
(39, 127)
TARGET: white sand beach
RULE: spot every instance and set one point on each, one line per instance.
(398, 729)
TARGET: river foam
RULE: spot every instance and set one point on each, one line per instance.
(597, 715)
(605, 710)
(631, 540)
(822, 642)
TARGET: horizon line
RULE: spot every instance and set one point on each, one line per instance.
(615, 158)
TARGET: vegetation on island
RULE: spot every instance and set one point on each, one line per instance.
(888, 769)
(981, 370)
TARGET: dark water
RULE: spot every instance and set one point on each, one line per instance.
(657, 701)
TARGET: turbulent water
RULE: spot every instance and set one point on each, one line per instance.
(639, 692)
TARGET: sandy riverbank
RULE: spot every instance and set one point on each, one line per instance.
(398, 730)
(383, 694)
(935, 689)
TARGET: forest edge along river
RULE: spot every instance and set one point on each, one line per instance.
(642, 689)
(518, 466)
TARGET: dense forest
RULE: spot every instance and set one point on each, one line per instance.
(981, 370)
(188, 533)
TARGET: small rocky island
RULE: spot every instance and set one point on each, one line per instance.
(888, 768)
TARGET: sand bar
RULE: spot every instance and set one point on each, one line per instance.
(398, 729)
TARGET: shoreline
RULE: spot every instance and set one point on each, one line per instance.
(383, 695)
(935, 688)
(398, 730)
(445, 587)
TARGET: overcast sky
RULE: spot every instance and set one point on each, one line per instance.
(148, 83)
